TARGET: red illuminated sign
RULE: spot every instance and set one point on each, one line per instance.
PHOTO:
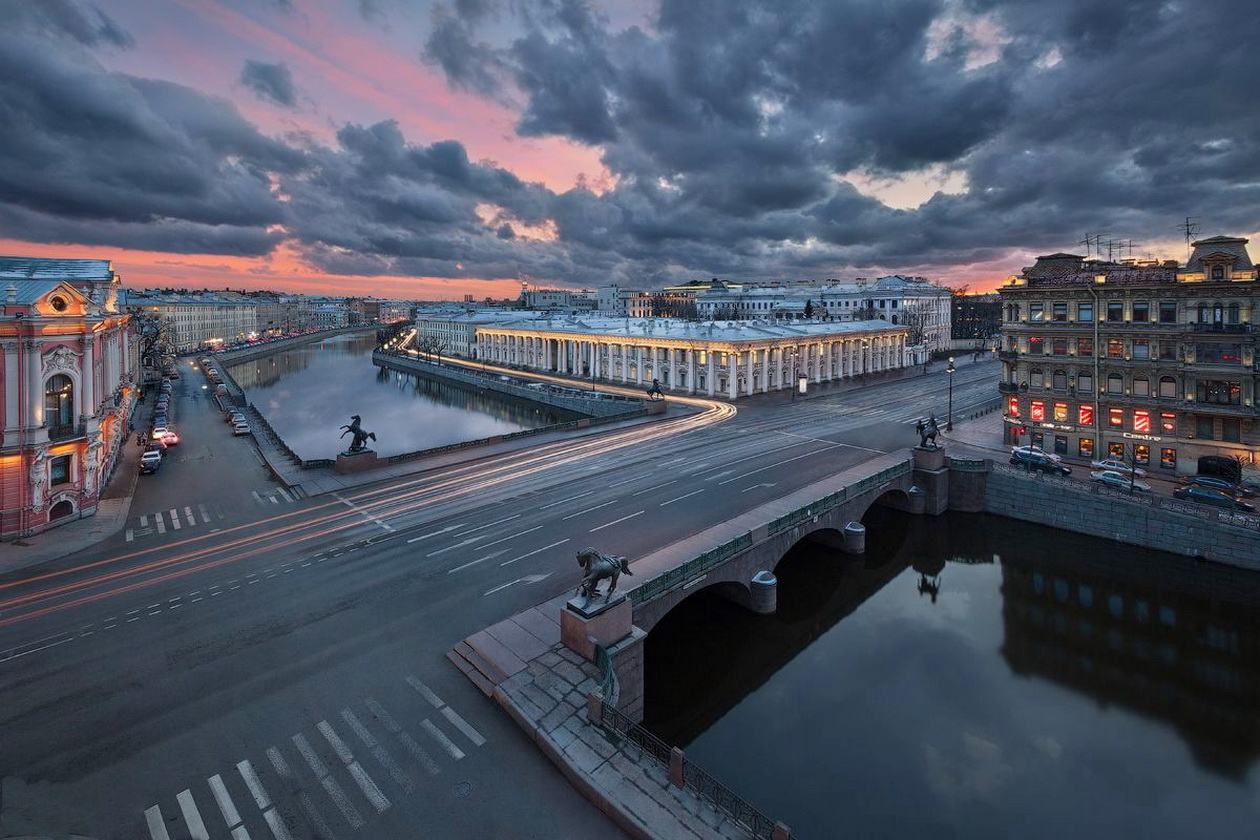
(1141, 421)
(1086, 415)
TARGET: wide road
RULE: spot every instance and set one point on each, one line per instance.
(283, 674)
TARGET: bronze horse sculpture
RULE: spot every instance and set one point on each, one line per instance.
(598, 567)
(358, 443)
(927, 433)
(655, 391)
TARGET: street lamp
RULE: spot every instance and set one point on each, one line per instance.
(949, 415)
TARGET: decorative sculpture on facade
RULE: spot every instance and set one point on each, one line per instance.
(598, 567)
(358, 443)
(927, 433)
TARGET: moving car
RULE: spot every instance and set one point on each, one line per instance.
(1040, 462)
(150, 461)
(1212, 483)
(170, 438)
(1116, 465)
(159, 429)
(235, 416)
(241, 428)
(1035, 450)
(1204, 496)
(1120, 481)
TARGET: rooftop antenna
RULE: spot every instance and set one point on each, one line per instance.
(1190, 227)
(1088, 241)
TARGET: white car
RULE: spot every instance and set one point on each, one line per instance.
(1116, 465)
(159, 431)
(1118, 481)
(241, 429)
(1035, 450)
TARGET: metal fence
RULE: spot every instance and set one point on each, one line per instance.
(620, 729)
(693, 568)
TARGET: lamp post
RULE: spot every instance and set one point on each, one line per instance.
(949, 415)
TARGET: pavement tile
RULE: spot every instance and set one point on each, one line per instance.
(539, 698)
(548, 659)
(656, 817)
(562, 736)
(541, 625)
(517, 639)
(583, 756)
(571, 656)
(569, 673)
(555, 718)
(527, 707)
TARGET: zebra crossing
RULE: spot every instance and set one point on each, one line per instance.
(334, 776)
(189, 516)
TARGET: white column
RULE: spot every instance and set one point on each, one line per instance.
(710, 374)
(638, 363)
(34, 396)
(691, 370)
(748, 387)
(11, 395)
(732, 375)
(88, 404)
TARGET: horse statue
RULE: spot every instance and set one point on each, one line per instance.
(927, 433)
(598, 567)
(655, 391)
(358, 443)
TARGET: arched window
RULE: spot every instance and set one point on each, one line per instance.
(1115, 383)
(1232, 316)
(1167, 387)
(1218, 272)
(1218, 314)
(1036, 378)
(59, 401)
(1203, 313)
(1060, 379)
(1141, 386)
(62, 509)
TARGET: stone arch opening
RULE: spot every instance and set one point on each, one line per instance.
(61, 510)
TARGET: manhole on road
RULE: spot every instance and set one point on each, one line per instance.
(462, 789)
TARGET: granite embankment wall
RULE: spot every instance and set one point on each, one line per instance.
(587, 403)
(1155, 522)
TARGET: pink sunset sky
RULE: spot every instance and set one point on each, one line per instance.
(436, 149)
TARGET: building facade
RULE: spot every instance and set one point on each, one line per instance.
(197, 321)
(68, 370)
(739, 359)
(1151, 362)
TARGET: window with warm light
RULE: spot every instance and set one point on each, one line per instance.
(1036, 346)
(1115, 348)
(1012, 407)
(1085, 415)
(1085, 447)
(1060, 412)
(1168, 423)
(1142, 421)
(1084, 346)
(1037, 411)
(1115, 417)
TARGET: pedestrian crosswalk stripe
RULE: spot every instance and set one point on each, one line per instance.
(157, 828)
(175, 523)
(254, 784)
(378, 752)
(329, 784)
(463, 726)
(439, 736)
(224, 799)
(192, 817)
(361, 778)
(240, 833)
(280, 831)
(417, 752)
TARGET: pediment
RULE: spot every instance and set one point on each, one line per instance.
(63, 301)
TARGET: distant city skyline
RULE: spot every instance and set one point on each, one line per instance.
(436, 149)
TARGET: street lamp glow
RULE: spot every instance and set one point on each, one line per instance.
(949, 414)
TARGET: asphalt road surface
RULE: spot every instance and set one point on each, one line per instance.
(271, 667)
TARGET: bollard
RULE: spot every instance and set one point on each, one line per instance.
(781, 832)
(764, 589)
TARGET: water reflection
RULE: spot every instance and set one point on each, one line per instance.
(308, 392)
(1040, 682)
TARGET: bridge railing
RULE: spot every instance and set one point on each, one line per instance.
(620, 729)
(694, 568)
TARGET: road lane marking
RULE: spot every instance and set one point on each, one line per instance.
(614, 522)
(425, 692)
(329, 784)
(562, 501)
(535, 551)
(257, 498)
(157, 827)
(205, 516)
(240, 833)
(657, 487)
(254, 784)
(468, 541)
(513, 536)
(224, 800)
(361, 511)
(589, 509)
(286, 495)
(175, 523)
(192, 817)
(131, 535)
(188, 514)
(478, 560)
(463, 726)
(490, 525)
(312, 813)
(160, 523)
(435, 533)
(439, 736)
(378, 752)
(680, 498)
(361, 778)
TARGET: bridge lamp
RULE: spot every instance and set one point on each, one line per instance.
(949, 414)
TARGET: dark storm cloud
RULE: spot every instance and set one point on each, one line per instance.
(81, 21)
(270, 82)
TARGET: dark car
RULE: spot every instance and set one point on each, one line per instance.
(1214, 483)
(150, 461)
(1205, 496)
(1035, 461)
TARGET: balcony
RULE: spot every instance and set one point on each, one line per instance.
(1235, 329)
(1008, 355)
(1008, 388)
(66, 432)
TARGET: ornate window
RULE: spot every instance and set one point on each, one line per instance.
(1059, 379)
(59, 401)
(1167, 387)
(1218, 272)
(1115, 384)
(1141, 386)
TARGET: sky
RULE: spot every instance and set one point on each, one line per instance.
(426, 149)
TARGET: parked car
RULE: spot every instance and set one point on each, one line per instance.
(1116, 465)
(159, 429)
(150, 461)
(1206, 496)
(1213, 483)
(235, 416)
(1035, 450)
(241, 429)
(1039, 462)
(1117, 480)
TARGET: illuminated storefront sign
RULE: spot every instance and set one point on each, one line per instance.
(1142, 421)
(1085, 415)
(1132, 436)
(1037, 411)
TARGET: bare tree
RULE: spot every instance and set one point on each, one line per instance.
(156, 343)
(916, 318)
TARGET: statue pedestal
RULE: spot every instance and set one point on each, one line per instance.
(356, 463)
(929, 459)
(584, 624)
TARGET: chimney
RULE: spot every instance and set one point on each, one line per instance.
(10, 294)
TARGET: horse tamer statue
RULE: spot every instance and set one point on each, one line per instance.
(598, 567)
(927, 433)
(358, 442)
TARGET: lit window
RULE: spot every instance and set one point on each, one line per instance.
(1085, 415)
(1142, 421)
(1168, 423)
(1115, 417)
(1086, 447)
(1037, 411)
(1012, 407)
(1060, 412)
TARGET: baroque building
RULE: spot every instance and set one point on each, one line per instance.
(1154, 362)
(67, 388)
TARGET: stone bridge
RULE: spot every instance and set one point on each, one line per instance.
(737, 558)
